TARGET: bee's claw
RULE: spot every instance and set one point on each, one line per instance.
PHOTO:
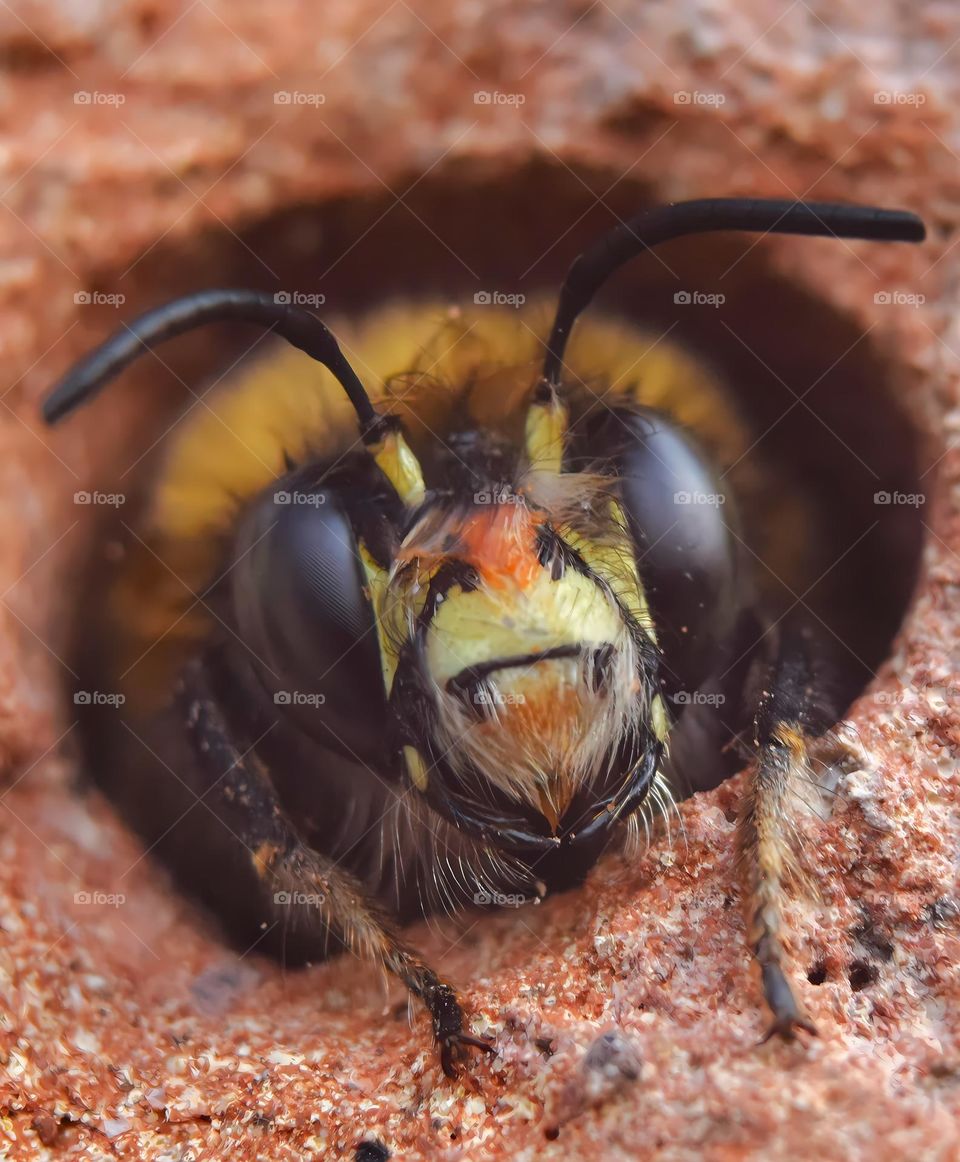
(453, 1050)
(786, 1027)
(788, 1017)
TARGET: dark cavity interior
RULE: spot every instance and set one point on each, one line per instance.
(458, 233)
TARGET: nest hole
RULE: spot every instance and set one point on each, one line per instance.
(862, 974)
(818, 973)
(457, 233)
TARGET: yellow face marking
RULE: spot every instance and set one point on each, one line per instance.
(487, 623)
(416, 768)
(546, 429)
(659, 720)
(391, 611)
(615, 563)
(401, 467)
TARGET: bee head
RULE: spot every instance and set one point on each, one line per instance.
(527, 677)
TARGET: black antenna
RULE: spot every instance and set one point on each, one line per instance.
(297, 326)
(757, 215)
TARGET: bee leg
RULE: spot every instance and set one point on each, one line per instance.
(783, 725)
(300, 883)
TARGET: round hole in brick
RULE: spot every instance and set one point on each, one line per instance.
(818, 974)
(846, 441)
(861, 974)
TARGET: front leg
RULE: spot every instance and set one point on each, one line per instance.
(300, 882)
(789, 714)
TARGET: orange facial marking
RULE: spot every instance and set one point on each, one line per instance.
(547, 720)
(550, 706)
(500, 542)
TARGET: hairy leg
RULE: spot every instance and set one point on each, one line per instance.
(300, 882)
(790, 715)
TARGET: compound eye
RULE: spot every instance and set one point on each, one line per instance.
(302, 609)
(680, 520)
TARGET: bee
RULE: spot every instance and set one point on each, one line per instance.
(423, 626)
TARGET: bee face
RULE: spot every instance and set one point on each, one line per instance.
(499, 641)
(531, 682)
